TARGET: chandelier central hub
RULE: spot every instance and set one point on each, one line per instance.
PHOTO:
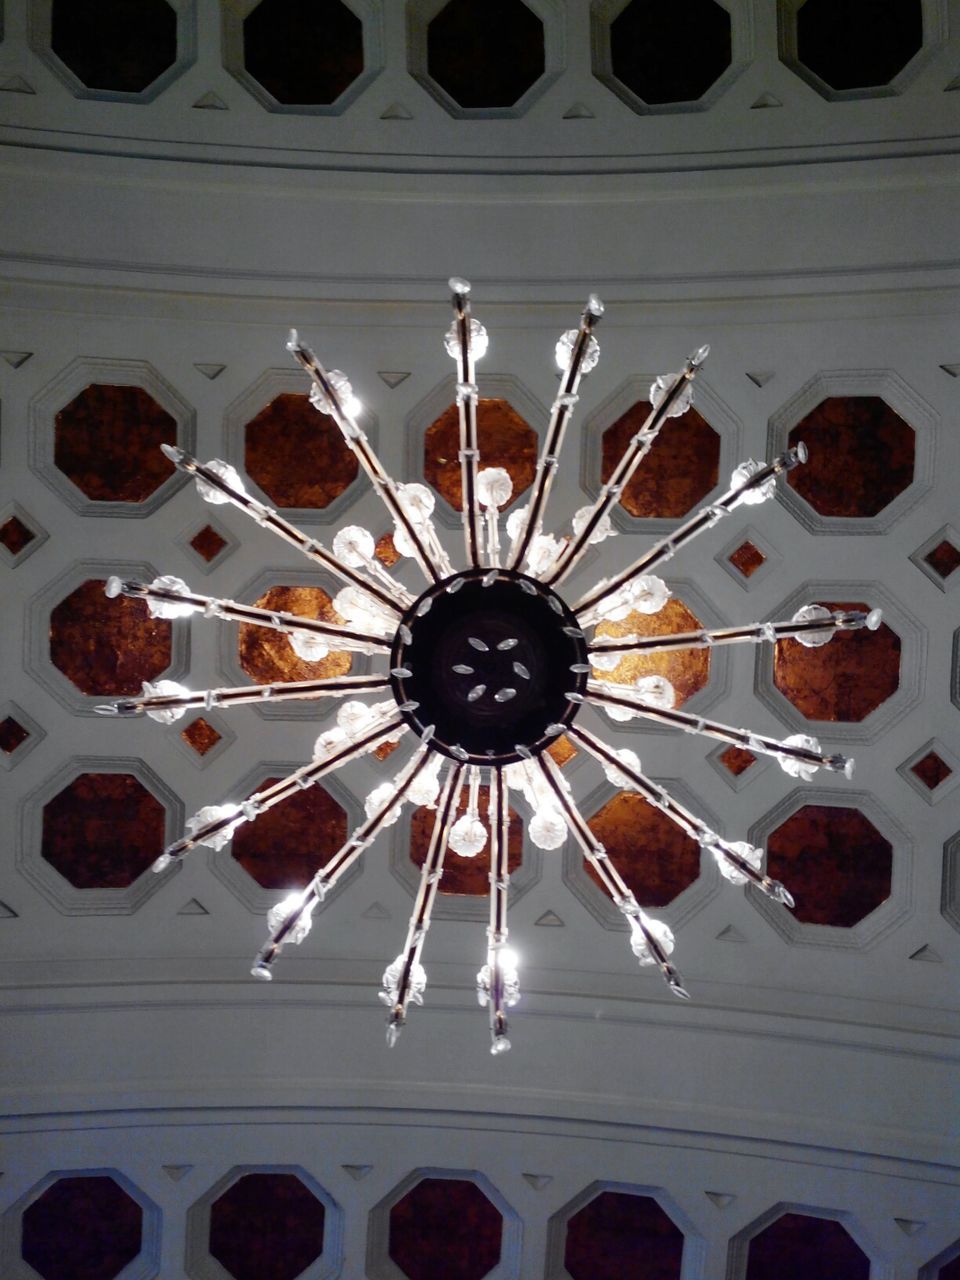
(489, 658)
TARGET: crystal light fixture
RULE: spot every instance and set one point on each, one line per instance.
(485, 668)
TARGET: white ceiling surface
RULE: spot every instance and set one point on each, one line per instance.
(811, 1072)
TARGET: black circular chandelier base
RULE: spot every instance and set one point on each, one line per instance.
(489, 658)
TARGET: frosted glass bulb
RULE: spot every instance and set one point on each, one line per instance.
(745, 472)
(213, 813)
(604, 529)
(226, 473)
(494, 487)
(547, 828)
(813, 613)
(544, 550)
(354, 545)
(308, 647)
(802, 769)
(657, 690)
(340, 384)
(648, 593)
(468, 836)
(658, 391)
(614, 775)
(638, 943)
(282, 910)
(565, 345)
(377, 798)
(479, 340)
(170, 608)
(750, 854)
(165, 688)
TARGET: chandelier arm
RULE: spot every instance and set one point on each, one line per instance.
(467, 396)
(299, 780)
(432, 560)
(560, 415)
(397, 598)
(497, 987)
(621, 895)
(279, 691)
(345, 856)
(633, 455)
(273, 619)
(756, 742)
(698, 830)
(756, 632)
(705, 518)
(430, 876)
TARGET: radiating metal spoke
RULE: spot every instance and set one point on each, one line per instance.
(622, 896)
(560, 416)
(601, 694)
(676, 812)
(225, 824)
(752, 632)
(432, 560)
(633, 455)
(396, 598)
(404, 979)
(497, 985)
(273, 619)
(706, 518)
(467, 397)
(279, 691)
(288, 929)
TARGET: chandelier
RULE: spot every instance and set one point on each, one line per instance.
(486, 667)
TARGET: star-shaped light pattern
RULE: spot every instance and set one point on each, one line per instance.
(485, 668)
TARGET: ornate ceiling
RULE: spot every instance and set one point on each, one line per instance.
(178, 190)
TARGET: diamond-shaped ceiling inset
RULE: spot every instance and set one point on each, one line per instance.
(834, 861)
(931, 770)
(15, 536)
(385, 550)
(861, 456)
(562, 750)
(943, 559)
(266, 1226)
(747, 558)
(668, 51)
(201, 735)
(103, 830)
(688, 670)
(798, 1246)
(113, 44)
(208, 543)
(736, 760)
(267, 655)
(678, 472)
(296, 455)
(107, 646)
(653, 855)
(12, 735)
(465, 876)
(286, 844)
(619, 1234)
(843, 680)
(485, 55)
(858, 44)
(505, 440)
(445, 1227)
(107, 441)
(82, 1226)
(303, 52)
